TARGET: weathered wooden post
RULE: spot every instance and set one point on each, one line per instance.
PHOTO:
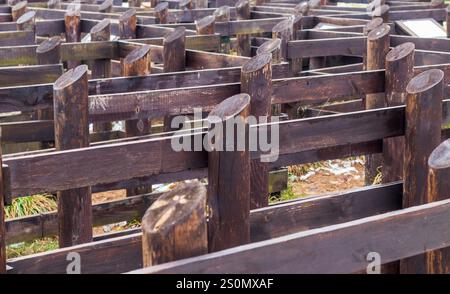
(174, 56)
(2, 221)
(27, 21)
(371, 25)
(174, 50)
(175, 225)
(128, 24)
(273, 47)
(134, 3)
(206, 25)
(399, 71)
(423, 117)
(106, 6)
(256, 80)
(284, 31)
(436, 4)
(137, 63)
(302, 7)
(18, 10)
(244, 47)
(71, 106)
(72, 20)
(377, 49)
(48, 52)
(101, 68)
(447, 20)
(229, 174)
(439, 189)
(222, 14)
(54, 4)
(201, 4)
(382, 12)
(161, 12)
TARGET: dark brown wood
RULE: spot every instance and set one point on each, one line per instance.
(71, 108)
(161, 12)
(229, 174)
(377, 49)
(284, 30)
(422, 136)
(49, 51)
(18, 10)
(101, 68)
(72, 22)
(371, 25)
(273, 47)
(2, 222)
(137, 63)
(27, 21)
(243, 40)
(106, 6)
(174, 50)
(256, 80)
(186, 4)
(399, 71)
(128, 24)
(206, 25)
(222, 15)
(439, 189)
(175, 225)
(134, 3)
(414, 230)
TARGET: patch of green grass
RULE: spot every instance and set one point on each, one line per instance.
(285, 195)
(27, 248)
(31, 205)
(447, 126)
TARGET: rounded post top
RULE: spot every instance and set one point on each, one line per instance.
(70, 77)
(100, 26)
(127, 14)
(73, 9)
(400, 51)
(425, 81)
(136, 54)
(440, 157)
(229, 108)
(177, 33)
(49, 44)
(257, 63)
(379, 32)
(269, 46)
(26, 17)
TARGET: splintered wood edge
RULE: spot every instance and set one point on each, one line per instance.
(26, 17)
(163, 214)
(70, 77)
(230, 107)
(136, 54)
(269, 46)
(49, 44)
(127, 14)
(177, 33)
(161, 6)
(283, 25)
(440, 157)
(257, 63)
(205, 21)
(425, 81)
(100, 26)
(379, 32)
(73, 9)
(105, 4)
(241, 3)
(373, 24)
(400, 51)
(19, 5)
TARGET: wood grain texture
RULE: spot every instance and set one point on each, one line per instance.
(422, 135)
(175, 225)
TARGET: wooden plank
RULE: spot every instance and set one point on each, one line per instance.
(353, 46)
(25, 75)
(348, 243)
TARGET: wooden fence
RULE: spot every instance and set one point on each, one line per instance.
(367, 88)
